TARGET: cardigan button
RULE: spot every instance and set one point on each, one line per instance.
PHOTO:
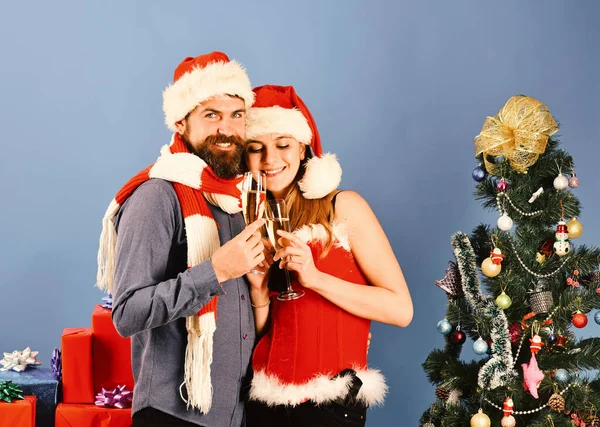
(245, 336)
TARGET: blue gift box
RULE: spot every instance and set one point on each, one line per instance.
(41, 383)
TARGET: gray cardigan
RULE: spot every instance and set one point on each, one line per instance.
(154, 292)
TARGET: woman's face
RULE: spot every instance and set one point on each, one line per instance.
(278, 157)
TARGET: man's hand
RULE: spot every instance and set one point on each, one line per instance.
(241, 254)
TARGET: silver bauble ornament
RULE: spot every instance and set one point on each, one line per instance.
(561, 182)
(561, 375)
(480, 346)
(444, 327)
(505, 222)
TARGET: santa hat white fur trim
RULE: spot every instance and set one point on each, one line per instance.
(286, 121)
(267, 388)
(196, 86)
(322, 176)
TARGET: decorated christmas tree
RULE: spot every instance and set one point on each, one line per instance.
(518, 288)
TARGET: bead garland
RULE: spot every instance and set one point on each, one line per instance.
(518, 351)
(531, 411)
(501, 210)
(541, 276)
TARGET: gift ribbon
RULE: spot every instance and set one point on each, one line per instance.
(19, 360)
(107, 302)
(10, 391)
(529, 316)
(519, 132)
(117, 398)
(56, 363)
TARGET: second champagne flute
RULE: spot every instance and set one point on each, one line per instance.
(278, 219)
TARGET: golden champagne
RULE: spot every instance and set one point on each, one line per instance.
(274, 224)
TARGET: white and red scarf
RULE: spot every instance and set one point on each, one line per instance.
(195, 182)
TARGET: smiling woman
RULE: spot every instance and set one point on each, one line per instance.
(310, 366)
(278, 156)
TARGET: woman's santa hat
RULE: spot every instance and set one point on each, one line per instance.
(278, 109)
(198, 79)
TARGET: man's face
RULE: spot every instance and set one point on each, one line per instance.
(214, 131)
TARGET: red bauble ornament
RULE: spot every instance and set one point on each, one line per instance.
(515, 331)
(579, 320)
(502, 185)
(458, 337)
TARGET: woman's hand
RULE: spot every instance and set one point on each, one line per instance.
(259, 282)
(297, 256)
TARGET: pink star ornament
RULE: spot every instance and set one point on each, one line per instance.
(532, 376)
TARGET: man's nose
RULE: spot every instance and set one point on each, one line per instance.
(225, 128)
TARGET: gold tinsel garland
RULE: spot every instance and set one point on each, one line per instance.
(519, 132)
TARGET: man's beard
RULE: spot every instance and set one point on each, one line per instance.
(225, 164)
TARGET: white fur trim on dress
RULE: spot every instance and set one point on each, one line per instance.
(196, 86)
(286, 121)
(317, 232)
(320, 389)
(322, 176)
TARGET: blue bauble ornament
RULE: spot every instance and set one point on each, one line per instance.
(480, 346)
(444, 327)
(478, 174)
(552, 338)
(597, 317)
(561, 375)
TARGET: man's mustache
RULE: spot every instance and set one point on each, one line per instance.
(224, 139)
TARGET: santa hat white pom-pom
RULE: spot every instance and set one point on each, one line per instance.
(322, 176)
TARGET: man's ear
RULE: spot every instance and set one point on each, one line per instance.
(180, 126)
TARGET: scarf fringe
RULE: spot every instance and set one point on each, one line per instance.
(198, 358)
(107, 253)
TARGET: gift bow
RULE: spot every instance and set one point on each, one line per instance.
(519, 132)
(10, 391)
(118, 398)
(19, 360)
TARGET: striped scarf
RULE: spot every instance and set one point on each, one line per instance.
(195, 183)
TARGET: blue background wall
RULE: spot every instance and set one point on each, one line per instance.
(399, 89)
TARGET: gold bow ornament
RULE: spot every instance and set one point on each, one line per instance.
(519, 132)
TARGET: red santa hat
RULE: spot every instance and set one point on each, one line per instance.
(278, 109)
(198, 79)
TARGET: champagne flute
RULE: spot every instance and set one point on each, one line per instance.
(278, 219)
(254, 194)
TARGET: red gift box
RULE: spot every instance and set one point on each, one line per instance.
(78, 415)
(19, 413)
(111, 353)
(77, 366)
